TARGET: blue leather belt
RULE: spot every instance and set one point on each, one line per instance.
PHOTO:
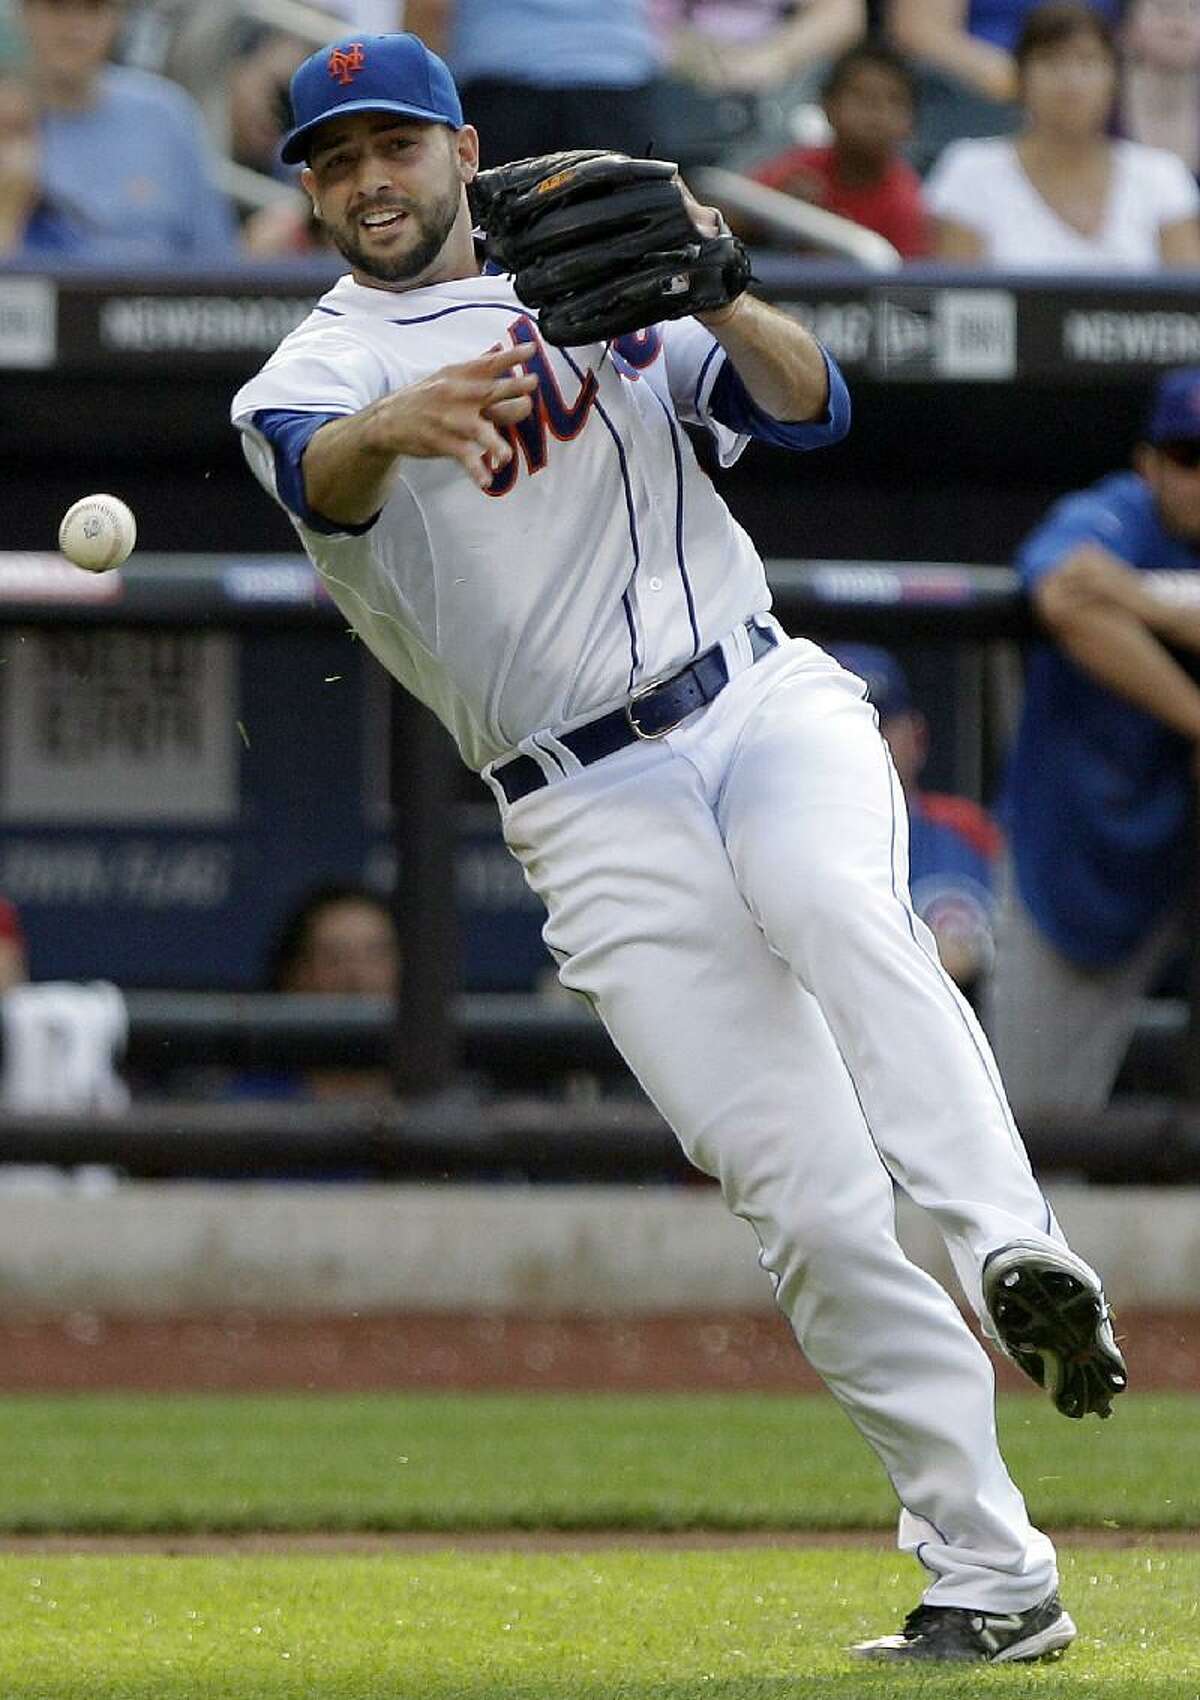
(649, 714)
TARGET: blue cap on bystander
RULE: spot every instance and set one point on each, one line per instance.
(1175, 410)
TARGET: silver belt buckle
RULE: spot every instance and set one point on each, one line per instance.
(631, 714)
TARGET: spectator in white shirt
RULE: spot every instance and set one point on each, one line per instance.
(1064, 195)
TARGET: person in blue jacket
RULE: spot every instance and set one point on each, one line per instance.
(1098, 801)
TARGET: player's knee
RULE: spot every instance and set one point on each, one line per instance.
(810, 1267)
(802, 1226)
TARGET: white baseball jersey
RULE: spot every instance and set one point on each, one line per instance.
(548, 598)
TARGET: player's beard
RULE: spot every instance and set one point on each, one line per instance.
(433, 222)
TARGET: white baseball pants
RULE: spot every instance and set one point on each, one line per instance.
(733, 900)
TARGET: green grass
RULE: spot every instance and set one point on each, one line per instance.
(423, 1462)
(745, 1624)
(750, 1625)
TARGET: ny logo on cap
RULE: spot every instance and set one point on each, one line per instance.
(346, 62)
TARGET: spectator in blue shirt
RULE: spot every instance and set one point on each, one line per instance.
(953, 844)
(125, 147)
(536, 75)
(32, 225)
(1100, 793)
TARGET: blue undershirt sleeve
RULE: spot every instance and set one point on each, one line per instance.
(289, 433)
(731, 404)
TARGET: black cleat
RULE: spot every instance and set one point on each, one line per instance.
(1051, 1318)
(952, 1635)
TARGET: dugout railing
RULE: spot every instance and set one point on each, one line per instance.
(463, 1135)
(472, 1071)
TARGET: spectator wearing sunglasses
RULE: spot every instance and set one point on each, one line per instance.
(1099, 797)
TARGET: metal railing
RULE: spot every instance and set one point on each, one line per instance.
(950, 601)
(468, 1134)
(796, 221)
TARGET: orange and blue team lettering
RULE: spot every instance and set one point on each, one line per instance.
(552, 415)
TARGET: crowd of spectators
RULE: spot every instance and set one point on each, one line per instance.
(1021, 134)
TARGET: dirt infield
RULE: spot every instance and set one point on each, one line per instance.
(242, 1352)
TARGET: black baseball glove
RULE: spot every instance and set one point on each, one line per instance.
(602, 244)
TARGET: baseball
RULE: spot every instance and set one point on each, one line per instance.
(97, 533)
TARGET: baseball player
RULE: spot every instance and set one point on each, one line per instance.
(521, 533)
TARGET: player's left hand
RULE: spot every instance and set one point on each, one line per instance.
(603, 244)
(710, 224)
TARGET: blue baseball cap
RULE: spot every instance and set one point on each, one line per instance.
(369, 73)
(1175, 410)
(885, 679)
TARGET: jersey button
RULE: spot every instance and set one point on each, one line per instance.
(656, 584)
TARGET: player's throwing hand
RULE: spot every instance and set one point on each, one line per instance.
(460, 412)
